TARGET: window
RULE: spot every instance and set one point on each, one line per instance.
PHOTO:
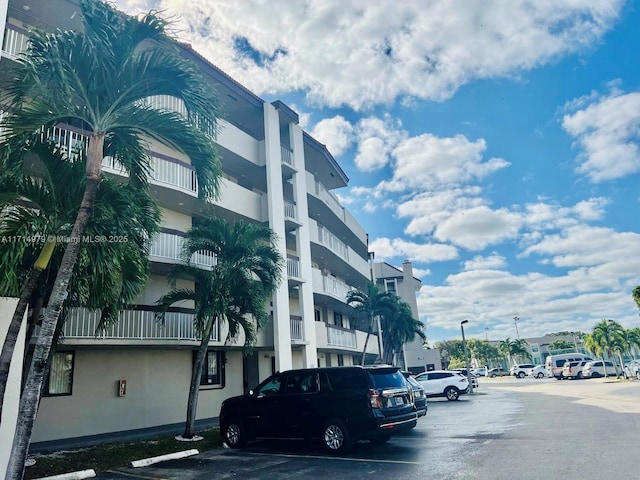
(305, 382)
(317, 316)
(340, 360)
(337, 319)
(60, 374)
(273, 386)
(390, 286)
(213, 369)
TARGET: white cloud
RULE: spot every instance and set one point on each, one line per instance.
(363, 53)
(336, 133)
(607, 131)
(492, 262)
(386, 248)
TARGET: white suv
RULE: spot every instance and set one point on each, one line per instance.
(521, 370)
(443, 383)
(594, 369)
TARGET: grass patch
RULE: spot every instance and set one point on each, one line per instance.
(115, 455)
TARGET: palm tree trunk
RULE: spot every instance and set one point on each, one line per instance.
(14, 327)
(33, 386)
(192, 402)
(366, 341)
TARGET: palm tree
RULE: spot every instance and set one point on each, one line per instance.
(107, 274)
(399, 327)
(246, 272)
(512, 349)
(636, 295)
(632, 336)
(371, 305)
(100, 79)
(505, 349)
(609, 335)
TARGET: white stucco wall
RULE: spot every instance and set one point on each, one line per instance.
(12, 393)
(157, 391)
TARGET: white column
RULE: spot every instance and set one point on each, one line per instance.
(275, 206)
(12, 393)
(310, 350)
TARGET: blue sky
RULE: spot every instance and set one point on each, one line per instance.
(494, 144)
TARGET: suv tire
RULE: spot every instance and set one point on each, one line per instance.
(234, 434)
(540, 375)
(521, 375)
(335, 437)
(451, 393)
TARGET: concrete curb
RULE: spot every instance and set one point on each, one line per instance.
(79, 475)
(162, 458)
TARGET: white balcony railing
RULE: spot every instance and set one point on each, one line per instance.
(335, 287)
(290, 210)
(293, 267)
(168, 246)
(15, 42)
(287, 155)
(340, 337)
(133, 325)
(333, 243)
(296, 326)
(174, 174)
(330, 200)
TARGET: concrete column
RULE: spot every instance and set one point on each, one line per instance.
(309, 350)
(275, 207)
(12, 393)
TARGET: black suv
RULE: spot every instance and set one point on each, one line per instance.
(338, 405)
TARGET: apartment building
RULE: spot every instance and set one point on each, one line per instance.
(415, 358)
(136, 374)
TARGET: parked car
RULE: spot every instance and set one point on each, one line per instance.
(479, 372)
(594, 369)
(419, 395)
(443, 383)
(497, 372)
(463, 372)
(573, 370)
(632, 369)
(554, 363)
(521, 369)
(539, 371)
(338, 405)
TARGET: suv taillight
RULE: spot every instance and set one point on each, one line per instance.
(374, 398)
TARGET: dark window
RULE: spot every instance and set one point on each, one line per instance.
(317, 316)
(273, 365)
(303, 382)
(60, 374)
(337, 319)
(340, 360)
(347, 379)
(388, 379)
(213, 369)
(274, 386)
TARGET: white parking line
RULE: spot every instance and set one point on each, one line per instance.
(346, 459)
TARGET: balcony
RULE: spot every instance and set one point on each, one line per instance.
(82, 323)
(333, 243)
(293, 269)
(167, 248)
(15, 41)
(296, 329)
(339, 337)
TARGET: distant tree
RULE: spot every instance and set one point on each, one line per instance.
(633, 339)
(610, 338)
(561, 344)
(636, 296)
(483, 351)
(450, 350)
(514, 349)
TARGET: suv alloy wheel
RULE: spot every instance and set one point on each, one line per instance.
(335, 437)
(452, 393)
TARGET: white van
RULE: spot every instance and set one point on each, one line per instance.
(554, 363)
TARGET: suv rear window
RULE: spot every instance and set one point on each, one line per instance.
(384, 378)
(351, 379)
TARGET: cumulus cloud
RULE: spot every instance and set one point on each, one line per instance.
(606, 130)
(336, 133)
(386, 248)
(364, 53)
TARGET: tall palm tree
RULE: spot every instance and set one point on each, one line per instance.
(372, 305)
(100, 79)
(107, 274)
(632, 337)
(505, 349)
(398, 328)
(609, 335)
(235, 290)
(512, 349)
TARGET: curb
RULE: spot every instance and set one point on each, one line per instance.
(79, 475)
(161, 458)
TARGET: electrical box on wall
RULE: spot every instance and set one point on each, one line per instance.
(122, 387)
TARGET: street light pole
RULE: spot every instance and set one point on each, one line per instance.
(486, 333)
(466, 355)
(515, 319)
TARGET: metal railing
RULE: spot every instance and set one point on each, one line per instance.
(169, 246)
(330, 200)
(293, 267)
(340, 337)
(333, 243)
(287, 155)
(296, 326)
(290, 210)
(174, 174)
(335, 287)
(133, 325)
(15, 41)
